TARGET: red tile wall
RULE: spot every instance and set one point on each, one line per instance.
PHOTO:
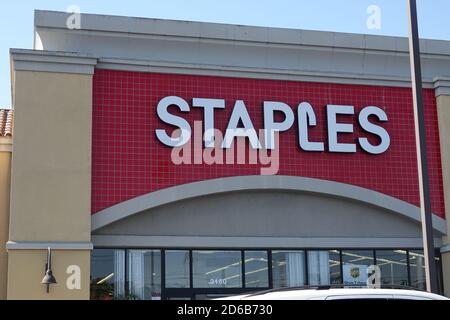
(129, 161)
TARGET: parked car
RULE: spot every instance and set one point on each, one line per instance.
(328, 293)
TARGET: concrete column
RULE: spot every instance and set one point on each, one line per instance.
(443, 109)
(5, 184)
(51, 175)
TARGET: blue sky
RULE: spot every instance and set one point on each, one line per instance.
(16, 18)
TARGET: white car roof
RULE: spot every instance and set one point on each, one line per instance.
(339, 293)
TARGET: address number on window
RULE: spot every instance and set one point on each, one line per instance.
(215, 282)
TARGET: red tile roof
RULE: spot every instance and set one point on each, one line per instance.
(6, 122)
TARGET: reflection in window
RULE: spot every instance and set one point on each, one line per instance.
(144, 274)
(288, 269)
(394, 267)
(217, 269)
(107, 274)
(256, 269)
(417, 269)
(177, 269)
(324, 267)
(355, 268)
(358, 257)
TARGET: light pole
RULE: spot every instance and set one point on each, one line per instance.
(422, 164)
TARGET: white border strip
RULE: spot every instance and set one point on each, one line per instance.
(254, 73)
(125, 241)
(31, 245)
(135, 27)
(5, 147)
(46, 61)
(442, 86)
(445, 248)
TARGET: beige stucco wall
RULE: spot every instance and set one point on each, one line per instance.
(5, 178)
(443, 106)
(446, 273)
(30, 265)
(50, 179)
(51, 163)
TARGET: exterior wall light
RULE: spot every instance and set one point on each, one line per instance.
(48, 278)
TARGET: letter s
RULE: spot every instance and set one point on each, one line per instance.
(373, 128)
(176, 121)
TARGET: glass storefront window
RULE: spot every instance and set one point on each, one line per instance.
(137, 274)
(324, 267)
(288, 268)
(394, 266)
(177, 269)
(256, 269)
(144, 274)
(355, 266)
(417, 269)
(107, 274)
(217, 269)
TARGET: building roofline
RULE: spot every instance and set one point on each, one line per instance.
(52, 61)
(230, 32)
(203, 48)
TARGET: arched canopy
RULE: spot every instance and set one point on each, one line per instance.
(212, 187)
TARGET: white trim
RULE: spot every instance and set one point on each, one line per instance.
(255, 73)
(5, 147)
(5, 144)
(132, 26)
(442, 86)
(229, 184)
(312, 44)
(240, 51)
(445, 249)
(118, 241)
(46, 61)
(32, 245)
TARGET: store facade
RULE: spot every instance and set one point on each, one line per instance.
(183, 160)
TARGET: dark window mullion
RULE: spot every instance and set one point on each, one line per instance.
(127, 280)
(269, 268)
(191, 271)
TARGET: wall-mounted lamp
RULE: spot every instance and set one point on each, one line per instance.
(48, 278)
